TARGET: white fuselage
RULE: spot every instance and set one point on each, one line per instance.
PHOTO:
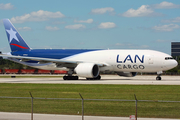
(119, 61)
(128, 60)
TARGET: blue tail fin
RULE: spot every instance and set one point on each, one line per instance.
(16, 42)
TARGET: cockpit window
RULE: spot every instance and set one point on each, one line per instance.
(169, 58)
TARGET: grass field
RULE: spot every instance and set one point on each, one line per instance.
(104, 108)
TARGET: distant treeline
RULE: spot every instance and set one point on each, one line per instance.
(8, 67)
(7, 64)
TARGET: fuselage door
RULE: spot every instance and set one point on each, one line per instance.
(150, 59)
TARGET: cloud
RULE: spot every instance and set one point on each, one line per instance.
(84, 21)
(107, 25)
(102, 10)
(144, 10)
(131, 46)
(163, 41)
(58, 22)
(148, 10)
(165, 5)
(119, 44)
(175, 20)
(37, 16)
(166, 28)
(51, 28)
(76, 26)
(7, 6)
(24, 28)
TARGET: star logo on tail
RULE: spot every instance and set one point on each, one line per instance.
(12, 34)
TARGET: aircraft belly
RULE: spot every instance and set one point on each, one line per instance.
(51, 68)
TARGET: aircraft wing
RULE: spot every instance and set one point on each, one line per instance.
(46, 60)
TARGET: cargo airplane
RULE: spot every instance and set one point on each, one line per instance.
(86, 63)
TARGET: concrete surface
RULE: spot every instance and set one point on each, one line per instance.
(27, 116)
(106, 79)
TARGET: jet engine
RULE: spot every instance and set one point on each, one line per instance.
(88, 70)
(127, 74)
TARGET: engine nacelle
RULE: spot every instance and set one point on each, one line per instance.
(127, 74)
(88, 70)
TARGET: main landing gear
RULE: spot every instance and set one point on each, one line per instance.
(70, 77)
(76, 78)
(97, 78)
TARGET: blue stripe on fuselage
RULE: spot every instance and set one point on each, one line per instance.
(51, 53)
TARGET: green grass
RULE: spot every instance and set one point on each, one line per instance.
(104, 108)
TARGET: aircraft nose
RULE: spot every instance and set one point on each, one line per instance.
(175, 63)
(171, 64)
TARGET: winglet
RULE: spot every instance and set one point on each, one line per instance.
(16, 42)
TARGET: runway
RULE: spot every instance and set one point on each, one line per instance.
(106, 79)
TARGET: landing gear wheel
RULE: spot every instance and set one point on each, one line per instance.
(97, 78)
(158, 78)
(70, 77)
(64, 77)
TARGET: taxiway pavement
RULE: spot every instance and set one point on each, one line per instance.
(106, 79)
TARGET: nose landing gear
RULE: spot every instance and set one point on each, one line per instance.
(159, 75)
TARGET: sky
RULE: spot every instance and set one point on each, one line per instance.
(93, 24)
